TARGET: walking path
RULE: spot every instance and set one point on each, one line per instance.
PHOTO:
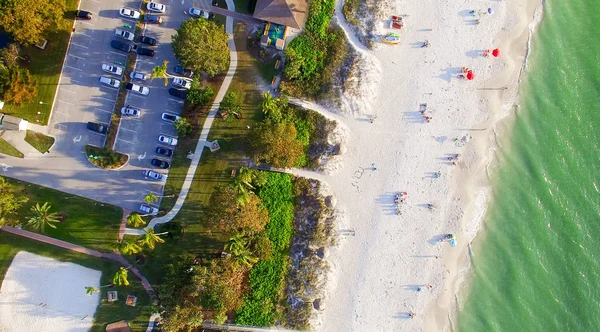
(83, 250)
(203, 140)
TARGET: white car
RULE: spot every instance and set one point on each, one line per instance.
(180, 82)
(143, 90)
(195, 12)
(110, 81)
(124, 34)
(167, 140)
(129, 13)
(112, 69)
(130, 111)
(136, 75)
(155, 175)
(156, 7)
(149, 209)
(170, 117)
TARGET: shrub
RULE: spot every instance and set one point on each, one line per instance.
(105, 158)
(200, 96)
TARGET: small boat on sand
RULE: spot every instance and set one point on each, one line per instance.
(397, 22)
(391, 38)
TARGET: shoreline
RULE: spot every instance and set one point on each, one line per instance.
(374, 275)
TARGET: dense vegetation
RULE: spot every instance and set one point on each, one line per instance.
(315, 55)
(105, 158)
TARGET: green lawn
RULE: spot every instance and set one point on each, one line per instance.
(45, 68)
(6, 148)
(88, 223)
(106, 312)
(267, 70)
(214, 169)
(39, 141)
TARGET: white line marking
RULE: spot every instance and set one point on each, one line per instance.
(83, 34)
(102, 122)
(102, 110)
(77, 57)
(58, 112)
(121, 54)
(64, 102)
(108, 87)
(73, 68)
(106, 99)
(65, 90)
(122, 140)
(74, 81)
(136, 95)
(177, 101)
(133, 131)
(79, 45)
(88, 23)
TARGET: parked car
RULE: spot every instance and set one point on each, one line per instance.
(110, 81)
(84, 15)
(120, 46)
(147, 40)
(97, 127)
(156, 7)
(112, 69)
(129, 13)
(181, 93)
(195, 12)
(149, 18)
(130, 111)
(145, 51)
(164, 151)
(155, 175)
(159, 163)
(179, 70)
(148, 209)
(170, 117)
(143, 90)
(182, 83)
(136, 75)
(124, 34)
(167, 140)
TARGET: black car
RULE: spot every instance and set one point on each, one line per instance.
(84, 15)
(149, 18)
(120, 46)
(147, 40)
(183, 72)
(145, 51)
(99, 128)
(164, 151)
(160, 163)
(181, 93)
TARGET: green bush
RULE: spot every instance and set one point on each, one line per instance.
(200, 96)
(105, 158)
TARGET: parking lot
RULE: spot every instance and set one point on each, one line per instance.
(81, 98)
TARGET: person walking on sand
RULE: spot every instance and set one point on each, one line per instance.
(412, 315)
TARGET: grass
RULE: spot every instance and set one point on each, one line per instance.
(214, 169)
(105, 158)
(39, 141)
(106, 312)
(7, 149)
(88, 223)
(45, 68)
(267, 69)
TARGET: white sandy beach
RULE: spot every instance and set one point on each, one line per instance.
(375, 274)
(42, 294)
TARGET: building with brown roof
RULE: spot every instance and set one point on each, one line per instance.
(291, 13)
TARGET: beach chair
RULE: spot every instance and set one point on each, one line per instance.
(112, 296)
(131, 300)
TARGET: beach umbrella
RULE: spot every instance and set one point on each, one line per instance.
(490, 11)
(470, 75)
(496, 52)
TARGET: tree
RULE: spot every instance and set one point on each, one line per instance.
(225, 213)
(230, 103)
(240, 186)
(42, 217)
(150, 198)
(150, 239)
(21, 87)
(27, 20)
(276, 144)
(273, 108)
(182, 318)
(183, 127)
(135, 220)
(91, 290)
(161, 72)
(10, 55)
(200, 96)
(130, 248)
(120, 277)
(238, 247)
(9, 204)
(202, 46)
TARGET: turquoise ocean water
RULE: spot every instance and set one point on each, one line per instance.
(537, 264)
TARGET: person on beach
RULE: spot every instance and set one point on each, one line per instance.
(428, 118)
(425, 43)
(375, 167)
(412, 315)
(438, 175)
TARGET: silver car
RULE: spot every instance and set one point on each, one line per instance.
(110, 81)
(129, 13)
(180, 82)
(124, 34)
(112, 69)
(195, 12)
(156, 7)
(130, 111)
(136, 75)
(155, 175)
(148, 209)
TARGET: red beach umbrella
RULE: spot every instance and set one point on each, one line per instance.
(496, 52)
(470, 75)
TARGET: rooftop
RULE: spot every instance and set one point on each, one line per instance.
(291, 13)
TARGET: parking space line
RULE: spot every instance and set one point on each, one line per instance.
(79, 45)
(101, 110)
(102, 122)
(122, 140)
(177, 101)
(131, 130)
(59, 112)
(106, 99)
(136, 95)
(76, 57)
(74, 81)
(65, 90)
(62, 101)
(93, 132)
(108, 87)
(88, 23)
(121, 54)
(94, 1)
(73, 68)
(83, 34)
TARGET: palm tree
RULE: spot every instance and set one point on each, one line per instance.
(130, 248)
(269, 103)
(241, 183)
(42, 217)
(237, 246)
(161, 71)
(120, 277)
(150, 239)
(91, 290)
(150, 198)
(135, 220)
